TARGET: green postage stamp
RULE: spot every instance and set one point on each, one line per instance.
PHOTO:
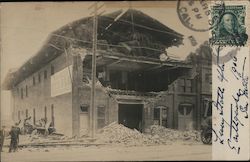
(229, 25)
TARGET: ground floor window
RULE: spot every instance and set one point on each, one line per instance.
(160, 115)
(207, 107)
(185, 116)
(100, 116)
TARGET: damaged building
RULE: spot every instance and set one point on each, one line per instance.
(138, 84)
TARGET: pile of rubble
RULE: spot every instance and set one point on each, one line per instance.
(115, 133)
(119, 134)
(167, 134)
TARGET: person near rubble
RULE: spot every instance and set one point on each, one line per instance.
(2, 135)
(28, 127)
(14, 135)
(47, 126)
(140, 126)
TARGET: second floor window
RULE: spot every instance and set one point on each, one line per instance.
(186, 85)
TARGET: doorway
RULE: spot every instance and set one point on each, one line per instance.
(130, 115)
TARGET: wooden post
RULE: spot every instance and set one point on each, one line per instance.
(199, 92)
(92, 109)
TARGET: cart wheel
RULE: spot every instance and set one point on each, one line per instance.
(206, 137)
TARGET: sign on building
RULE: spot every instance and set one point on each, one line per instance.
(61, 82)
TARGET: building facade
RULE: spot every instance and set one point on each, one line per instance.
(138, 85)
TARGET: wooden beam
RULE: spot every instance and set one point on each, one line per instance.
(147, 61)
(113, 63)
(169, 68)
(154, 67)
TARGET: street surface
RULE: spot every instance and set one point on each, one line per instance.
(175, 151)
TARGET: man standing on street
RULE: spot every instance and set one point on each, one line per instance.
(14, 134)
(2, 135)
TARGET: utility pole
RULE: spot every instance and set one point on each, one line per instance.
(93, 117)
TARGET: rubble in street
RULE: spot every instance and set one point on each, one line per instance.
(115, 134)
(118, 134)
(174, 135)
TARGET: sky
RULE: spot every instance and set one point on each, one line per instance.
(26, 26)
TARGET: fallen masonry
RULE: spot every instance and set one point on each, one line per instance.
(115, 134)
(119, 134)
